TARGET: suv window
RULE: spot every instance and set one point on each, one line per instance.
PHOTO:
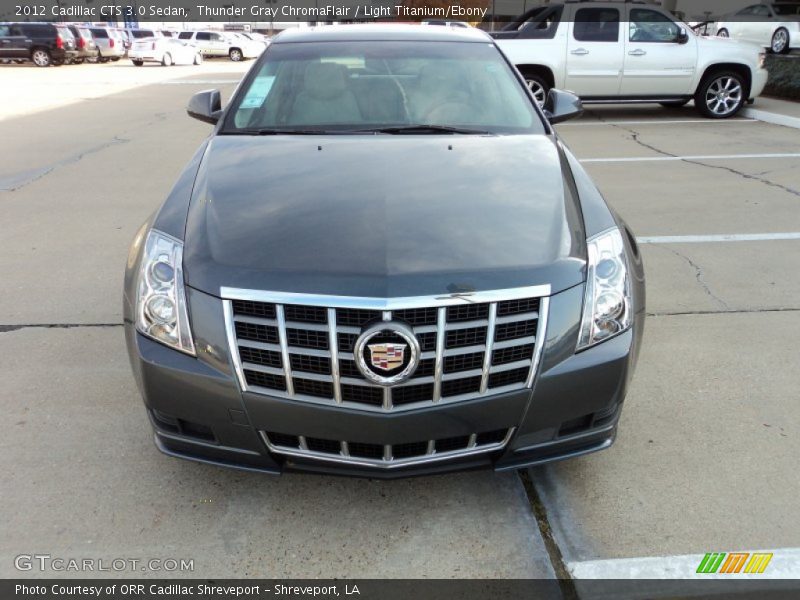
(596, 25)
(99, 33)
(652, 26)
(215, 37)
(542, 25)
(38, 30)
(185, 35)
(203, 36)
(4, 31)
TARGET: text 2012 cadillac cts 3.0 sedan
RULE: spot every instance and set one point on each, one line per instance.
(383, 262)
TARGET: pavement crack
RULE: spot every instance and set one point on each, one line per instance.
(20, 180)
(759, 177)
(698, 274)
(565, 581)
(8, 328)
(732, 311)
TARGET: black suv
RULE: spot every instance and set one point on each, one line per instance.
(43, 43)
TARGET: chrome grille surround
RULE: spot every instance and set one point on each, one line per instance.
(441, 340)
(387, 460)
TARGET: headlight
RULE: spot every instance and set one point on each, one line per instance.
(161, 303)
(607, 303)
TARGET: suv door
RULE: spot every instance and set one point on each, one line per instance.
(595, 52)
(203, 39)
(655, 63)
(219, 45)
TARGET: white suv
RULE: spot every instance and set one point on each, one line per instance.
(610, 52)
(213, 43)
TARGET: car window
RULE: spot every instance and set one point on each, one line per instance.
(652, 26)
(786, 9)
(185, 35)
(596, 25)
(99, 33)
(203, 36)
(4, 30)
(543, 25)
(215, 37)
(37, 30)
(357, 85)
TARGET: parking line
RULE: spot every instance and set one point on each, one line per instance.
(654, 122)
(785, 564)
(697, 157)
(725, 237)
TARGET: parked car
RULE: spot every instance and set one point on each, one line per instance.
(84, 43)
(248, 47)
(611, 52)
(166, 51)
(44, 44)
(348, 278)
(141, 34)
(771, 25)
(445, 23)
(109, 45)
(216, 44)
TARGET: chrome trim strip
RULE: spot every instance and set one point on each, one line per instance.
(382, 304)
(387, 464)
(487, 352)
(473, 439)
(333, 348)
(387, 398)
(541, 334)
(438, 366)
(233, 347)
(287, 366)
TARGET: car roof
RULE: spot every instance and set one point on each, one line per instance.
(382, 33)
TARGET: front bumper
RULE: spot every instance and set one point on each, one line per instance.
(198, 411)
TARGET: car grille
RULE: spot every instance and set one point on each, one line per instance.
(301, 347)
(386, 455)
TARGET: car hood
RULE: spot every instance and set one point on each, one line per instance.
(382, 215)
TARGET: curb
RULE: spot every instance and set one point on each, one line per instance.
(771, 117)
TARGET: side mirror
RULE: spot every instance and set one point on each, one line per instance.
(206, 106)
(562, 106)
(683, 36)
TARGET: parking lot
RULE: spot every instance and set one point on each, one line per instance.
(707, 450)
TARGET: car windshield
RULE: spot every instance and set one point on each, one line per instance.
(408, 86)
(786, 10)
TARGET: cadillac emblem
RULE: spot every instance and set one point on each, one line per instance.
(387, 353)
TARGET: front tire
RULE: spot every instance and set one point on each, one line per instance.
(235, 54)
(538, 87)
(780, 41)
(723, 33)
(137, 63)
(720, 95)
(166, 60)
(41, 57)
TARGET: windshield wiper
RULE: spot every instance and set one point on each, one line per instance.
(280, 131)
(401, 129)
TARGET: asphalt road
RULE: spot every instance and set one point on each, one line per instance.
(707, 453)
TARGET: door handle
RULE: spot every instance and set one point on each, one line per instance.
(637, 52)
(580, 52)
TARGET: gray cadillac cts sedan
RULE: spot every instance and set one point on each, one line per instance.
(383, 262)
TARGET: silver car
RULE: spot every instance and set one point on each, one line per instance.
(110, 45)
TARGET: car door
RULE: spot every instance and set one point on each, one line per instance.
(19, 42)
(595, 52)
(655, 63)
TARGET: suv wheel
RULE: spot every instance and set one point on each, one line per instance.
(235, 54)
(137, 63)
(780, 41)
(720, 95)
(537, 86)
(166, 60)
(41, 57)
